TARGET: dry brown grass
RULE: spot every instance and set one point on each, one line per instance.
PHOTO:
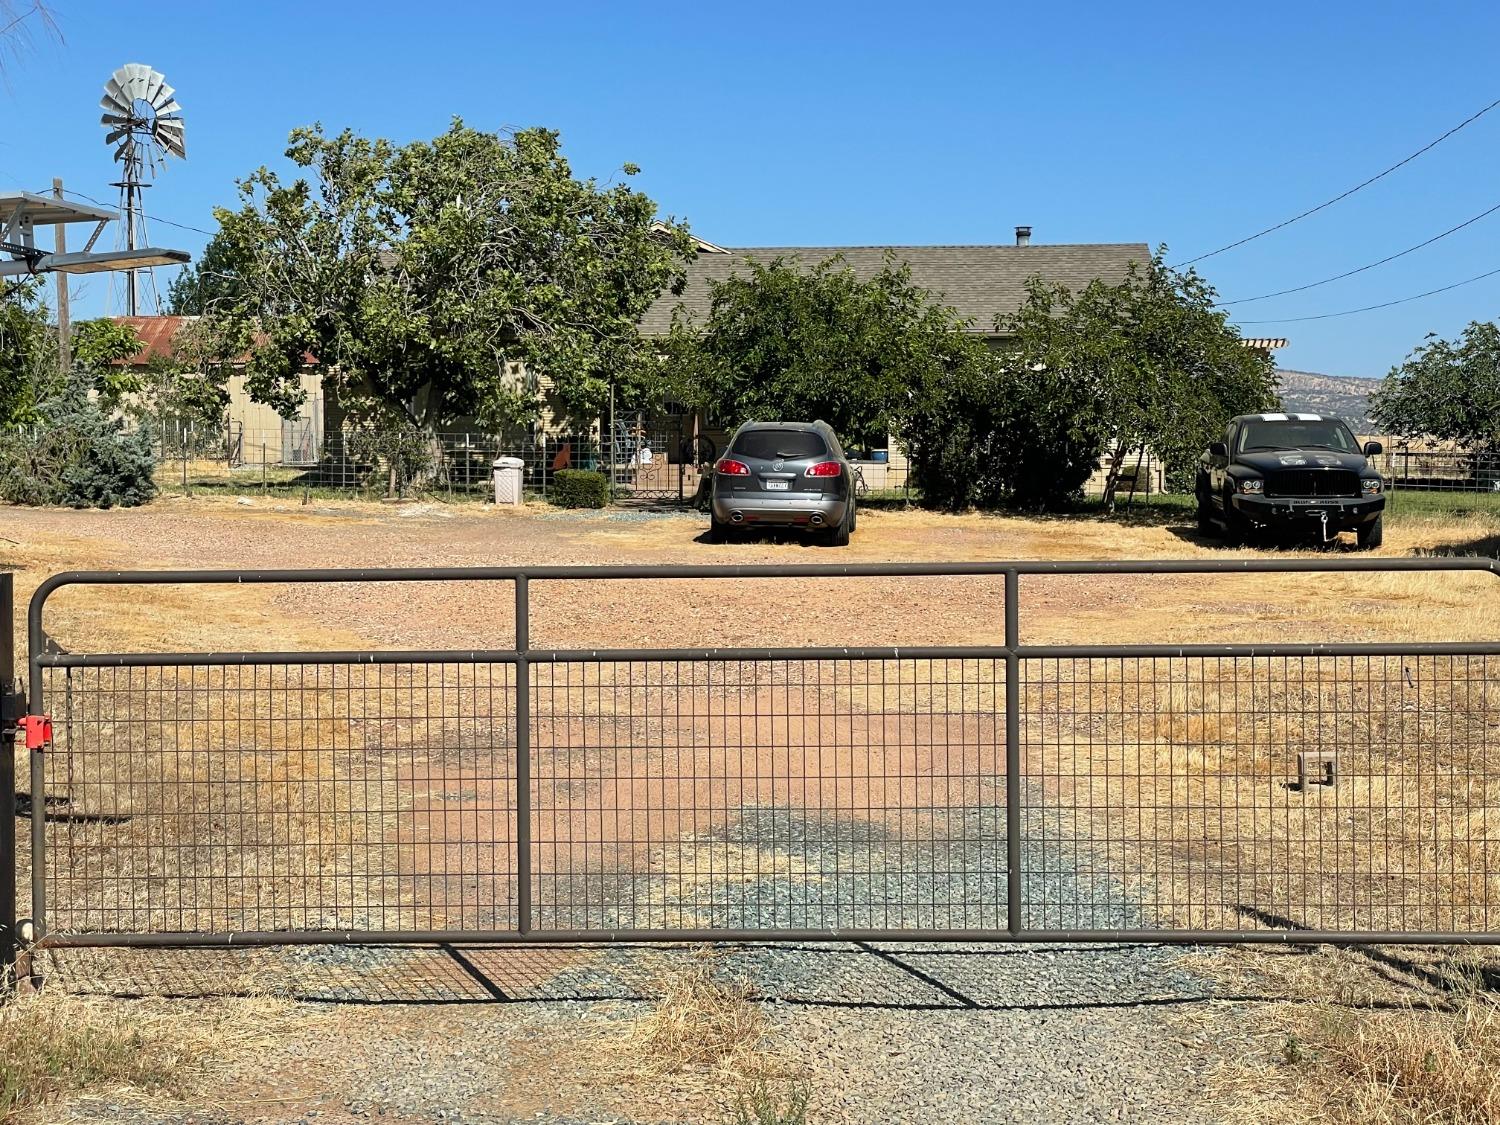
(1348, 1037)
(708, 1043)
(53, 1045)
(1410, 1066)
(702, 1020)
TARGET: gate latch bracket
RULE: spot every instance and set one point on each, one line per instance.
(37, 730)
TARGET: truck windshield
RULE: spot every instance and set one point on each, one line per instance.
(1293, 434)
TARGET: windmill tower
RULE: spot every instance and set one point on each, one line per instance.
(145, 126)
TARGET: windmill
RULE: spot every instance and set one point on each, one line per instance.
(145, 126)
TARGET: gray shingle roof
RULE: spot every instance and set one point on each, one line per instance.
(981, 282)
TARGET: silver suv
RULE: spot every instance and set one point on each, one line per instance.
(788, 474)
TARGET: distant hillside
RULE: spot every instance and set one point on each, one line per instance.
(1343, 396)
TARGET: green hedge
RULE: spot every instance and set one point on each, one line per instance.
(578, 488)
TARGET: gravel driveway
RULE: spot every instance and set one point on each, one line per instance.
(887, 1033)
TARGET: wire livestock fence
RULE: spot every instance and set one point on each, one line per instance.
(991, 791)
(663, 459)
(1440, 470)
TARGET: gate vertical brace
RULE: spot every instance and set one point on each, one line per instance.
(10, 711)
(1012, 754)
(523, 756)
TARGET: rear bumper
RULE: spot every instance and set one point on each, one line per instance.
(1343, 514)
(757, 509)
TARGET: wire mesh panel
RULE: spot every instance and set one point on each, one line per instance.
(246, 797)
(769, 794)
(553, 795)
(1338, 793)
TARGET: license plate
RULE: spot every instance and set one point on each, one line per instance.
(778, 485)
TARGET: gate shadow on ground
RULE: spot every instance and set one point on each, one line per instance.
(891, 976)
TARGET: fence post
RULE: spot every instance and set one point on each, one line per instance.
(523, 757)
(1012, 755)
(11, 709)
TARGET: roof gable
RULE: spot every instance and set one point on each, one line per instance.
(981, 282)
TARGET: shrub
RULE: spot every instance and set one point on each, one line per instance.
(579, 488)
(77, 456)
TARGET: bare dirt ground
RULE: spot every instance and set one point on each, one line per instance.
(874, 1034)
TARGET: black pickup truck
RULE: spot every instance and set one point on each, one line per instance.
(1293, 473)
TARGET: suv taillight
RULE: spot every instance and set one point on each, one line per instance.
(825, 469)
(732, 468)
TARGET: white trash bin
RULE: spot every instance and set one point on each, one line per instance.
(508, 481)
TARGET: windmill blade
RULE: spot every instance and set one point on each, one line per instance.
(162, 98)
(114, 98)
(109, 119)
(173, 142)
(169, 108)
(154, 82)
(138, 74)
(111, 138)
(120, 152)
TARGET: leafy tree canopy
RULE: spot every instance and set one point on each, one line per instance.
(1145, 363)
(100, 348)
(28, 351)
(421, 276)
(787, 341)
(1446, 390)
(209, 284)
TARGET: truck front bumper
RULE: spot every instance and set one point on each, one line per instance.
(1336, 513)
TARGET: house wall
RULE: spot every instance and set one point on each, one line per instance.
(260, 431)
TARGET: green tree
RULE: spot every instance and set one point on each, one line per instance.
(28, 351)
(1446, 390)
(1145, 364)
(787, 341)
(209, 284)
(425, 278)
(100, 348)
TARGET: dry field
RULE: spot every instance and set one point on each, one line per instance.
(244, 798)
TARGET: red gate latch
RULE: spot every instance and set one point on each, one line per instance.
(37, 729)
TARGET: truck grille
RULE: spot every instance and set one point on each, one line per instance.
(1312, 482)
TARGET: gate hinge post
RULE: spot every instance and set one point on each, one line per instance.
(13, 704)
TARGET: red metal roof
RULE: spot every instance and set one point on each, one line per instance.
(156, 334)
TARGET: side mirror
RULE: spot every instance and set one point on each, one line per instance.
(1218, 449)
(1373, 449)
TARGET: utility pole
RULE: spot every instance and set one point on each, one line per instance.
(64, 341)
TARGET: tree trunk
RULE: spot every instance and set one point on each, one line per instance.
(1112, 479)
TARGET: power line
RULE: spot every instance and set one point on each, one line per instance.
(1344, 195)
(1372, 308)
(1361, 269)
(149, 218)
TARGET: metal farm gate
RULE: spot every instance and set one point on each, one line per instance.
(994, 791)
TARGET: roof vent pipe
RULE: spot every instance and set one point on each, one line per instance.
(1023, 236)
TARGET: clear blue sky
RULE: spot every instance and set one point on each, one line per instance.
(824, 124)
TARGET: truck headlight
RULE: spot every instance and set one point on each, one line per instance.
(1253, 485)
(1370, 486)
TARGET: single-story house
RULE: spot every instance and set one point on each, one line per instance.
(982, 283)
(252, 430)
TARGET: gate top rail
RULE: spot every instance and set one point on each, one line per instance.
(545, 573)
(521, 576)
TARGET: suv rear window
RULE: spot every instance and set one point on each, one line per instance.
(789, 445)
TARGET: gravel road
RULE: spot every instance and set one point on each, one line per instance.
(887, 1032)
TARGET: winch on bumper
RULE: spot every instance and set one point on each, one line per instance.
(1332, 514)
